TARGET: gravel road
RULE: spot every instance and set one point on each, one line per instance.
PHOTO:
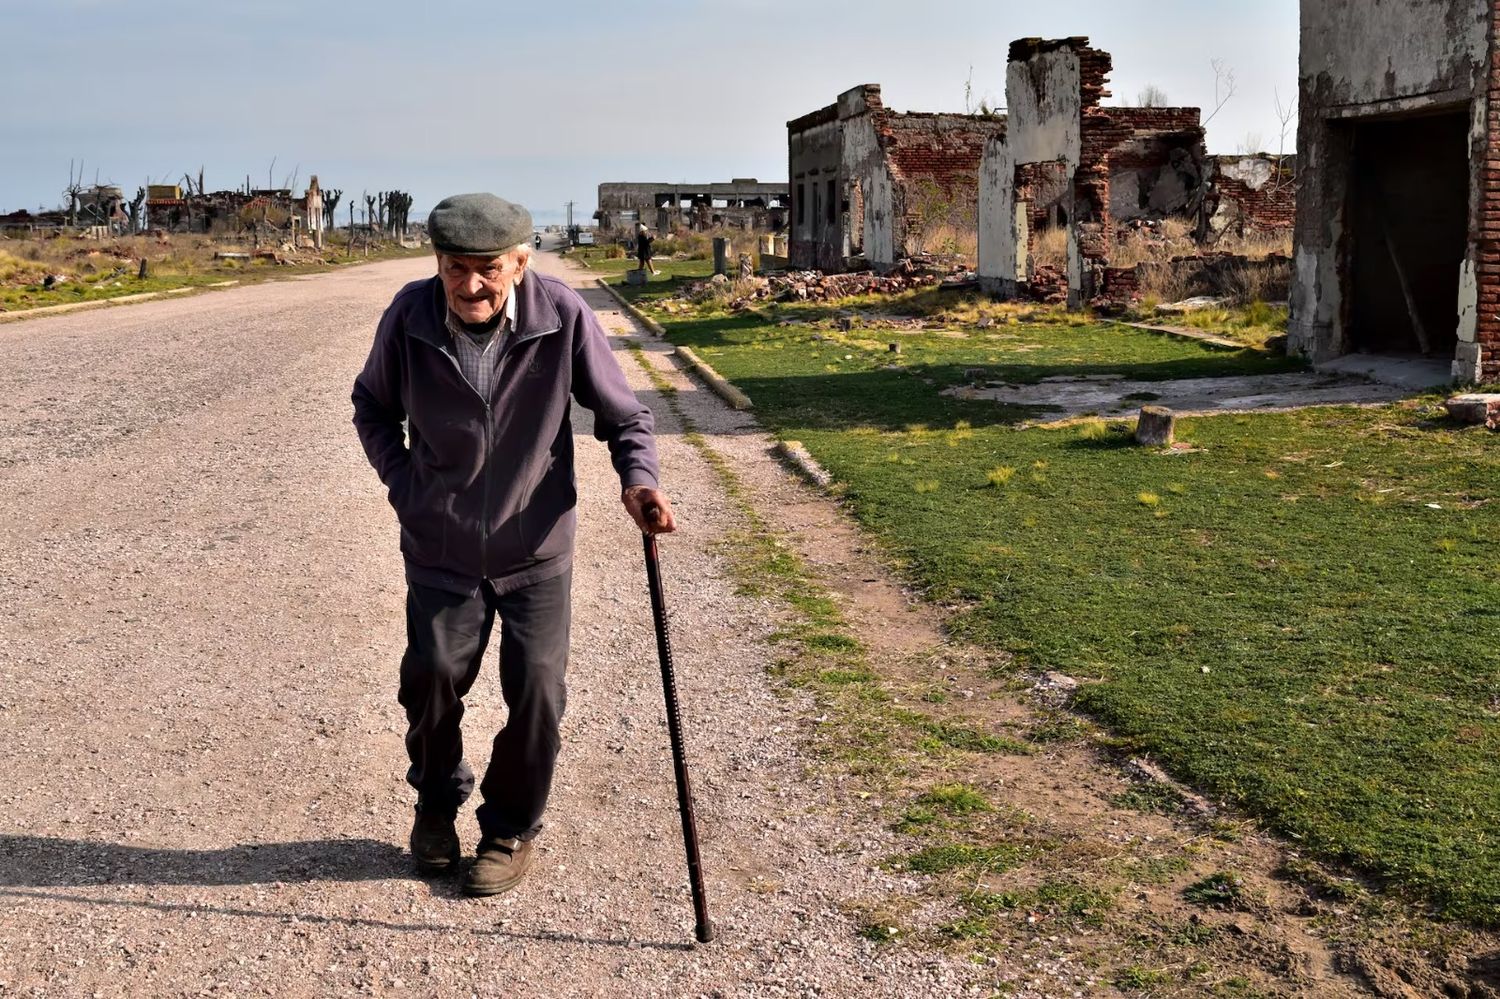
(200, 620)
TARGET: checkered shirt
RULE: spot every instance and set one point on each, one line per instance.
(479, 357)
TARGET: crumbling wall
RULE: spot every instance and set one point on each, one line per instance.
(863, 162)
(1251, 194)
(1044, 101)
(933, 161)
(1360, 61)
(1156, 162)
(872, 183)
(815, 146)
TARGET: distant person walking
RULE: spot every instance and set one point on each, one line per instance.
(643, 243)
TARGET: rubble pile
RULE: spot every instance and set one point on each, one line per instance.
(815, 286)
(1048, 285)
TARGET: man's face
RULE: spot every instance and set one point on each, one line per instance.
(477, 286)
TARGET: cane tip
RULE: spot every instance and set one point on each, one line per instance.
(705, 932)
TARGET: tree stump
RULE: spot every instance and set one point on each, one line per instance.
(1156, 426)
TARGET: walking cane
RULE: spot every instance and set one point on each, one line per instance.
(705, 929)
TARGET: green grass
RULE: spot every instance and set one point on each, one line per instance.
(1222, 890)
(1299, 617)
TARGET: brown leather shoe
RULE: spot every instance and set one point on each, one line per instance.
(499, 865)
(434, 843)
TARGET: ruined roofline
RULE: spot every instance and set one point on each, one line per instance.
(956, 116)
(1025, 48)
(829, 114)
(822, 116)
(722, 185)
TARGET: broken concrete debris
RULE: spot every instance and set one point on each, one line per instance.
(1476, 409)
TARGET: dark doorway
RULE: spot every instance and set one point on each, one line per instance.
(1409, 222)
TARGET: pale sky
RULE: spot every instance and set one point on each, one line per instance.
(540, 102)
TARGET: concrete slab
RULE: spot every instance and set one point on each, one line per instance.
(1411, 372)
(1115, 395)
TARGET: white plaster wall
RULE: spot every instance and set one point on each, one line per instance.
(1043, 98)
(880, 219)
(863, 160)
(997, 216)
(1252, 171)
(1043, 104)
(1381, 49)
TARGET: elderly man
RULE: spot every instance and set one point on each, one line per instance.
(479, 362)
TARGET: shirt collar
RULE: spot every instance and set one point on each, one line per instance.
(507, 322)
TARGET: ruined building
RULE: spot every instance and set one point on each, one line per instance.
(1065, 162)
(739, 204)
(1398, 215)
(874, 185)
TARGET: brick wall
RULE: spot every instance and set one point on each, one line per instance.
(1487, 260)
(1273, 208)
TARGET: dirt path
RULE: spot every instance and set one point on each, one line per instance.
(200, 617)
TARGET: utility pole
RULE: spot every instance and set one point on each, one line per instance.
(569, 207)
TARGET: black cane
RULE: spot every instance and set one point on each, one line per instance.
(705, 929)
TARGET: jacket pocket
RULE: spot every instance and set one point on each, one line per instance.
(422, 509)
(546, 518)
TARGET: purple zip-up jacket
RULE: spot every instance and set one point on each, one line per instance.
(484, 491)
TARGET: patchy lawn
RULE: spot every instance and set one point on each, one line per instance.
(1300, 616)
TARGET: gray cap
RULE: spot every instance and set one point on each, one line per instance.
(478, 225)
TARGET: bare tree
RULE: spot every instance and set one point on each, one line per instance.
(1251, 144)
(1151, 96)
(330, 206)
(73, 190)
(135, 209)
(1224, 87)
(1285, 115)
(398, 212)
(982, 105)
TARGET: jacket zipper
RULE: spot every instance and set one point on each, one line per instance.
(484, 467)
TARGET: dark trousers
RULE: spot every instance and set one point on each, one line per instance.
(446, 636)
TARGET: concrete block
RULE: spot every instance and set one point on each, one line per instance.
(1476, 408)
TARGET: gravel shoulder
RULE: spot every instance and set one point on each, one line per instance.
(200, 620)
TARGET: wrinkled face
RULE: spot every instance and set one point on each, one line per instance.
(477, 286)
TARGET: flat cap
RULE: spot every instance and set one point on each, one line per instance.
(478, 225)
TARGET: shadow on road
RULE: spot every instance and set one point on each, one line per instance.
(41, 862)
(45, 861)
(315, 919)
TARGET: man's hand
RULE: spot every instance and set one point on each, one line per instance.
(639, 499)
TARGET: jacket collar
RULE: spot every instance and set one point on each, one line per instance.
(536, 315)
